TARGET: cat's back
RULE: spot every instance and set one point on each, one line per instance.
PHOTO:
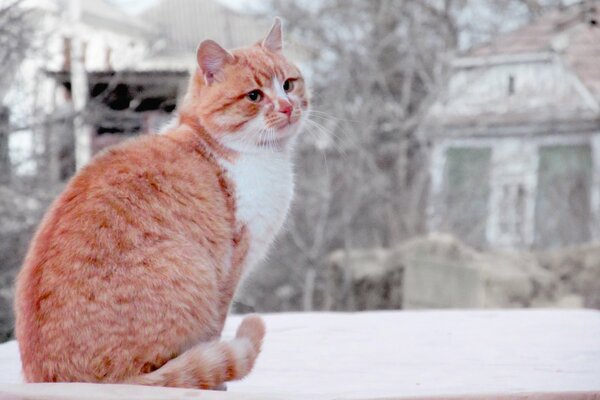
(127, 229)
(145, 181)
(143, 176)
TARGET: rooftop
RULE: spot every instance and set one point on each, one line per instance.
(184, 23)
(573, 32)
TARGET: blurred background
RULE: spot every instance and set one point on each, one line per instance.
(451, 160)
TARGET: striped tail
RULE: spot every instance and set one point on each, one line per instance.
(209, 365)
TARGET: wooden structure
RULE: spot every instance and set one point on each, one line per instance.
(524, 354)
(109, 75)
(127, 102)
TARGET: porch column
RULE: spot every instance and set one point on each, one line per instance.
(435, 206)
(79, 91)
(513, 184)
(595, 189)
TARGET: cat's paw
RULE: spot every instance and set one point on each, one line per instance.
(221, 388)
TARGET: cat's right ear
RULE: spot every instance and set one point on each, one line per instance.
(211, 59)
(274, 40)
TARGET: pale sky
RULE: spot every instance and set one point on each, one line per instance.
(136, 6)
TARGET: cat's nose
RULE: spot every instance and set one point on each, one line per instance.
(285, 107)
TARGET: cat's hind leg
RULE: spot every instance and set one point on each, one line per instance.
(209, 365)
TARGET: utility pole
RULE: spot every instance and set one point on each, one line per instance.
(5, 166)
(79, 88)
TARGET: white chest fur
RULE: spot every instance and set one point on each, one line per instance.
(264, 187)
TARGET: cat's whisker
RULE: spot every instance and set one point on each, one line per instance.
(270, 136)
(320, 131)
(249, 137)
(330, 132)
(327, 116)
(336, 138)
(338, 149)
(274, 139)
(323, 153)
(265, 139)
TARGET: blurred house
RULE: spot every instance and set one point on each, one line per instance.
(130, 70)
(516, 137)
(178, 26)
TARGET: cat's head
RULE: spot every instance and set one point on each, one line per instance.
(250, 98)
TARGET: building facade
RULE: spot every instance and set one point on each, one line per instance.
(105, 75)
(516, 138)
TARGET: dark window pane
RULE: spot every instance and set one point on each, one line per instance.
(563, 205)
(467, 192)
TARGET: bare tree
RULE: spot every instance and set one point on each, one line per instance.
(20, 203)
(376, 66)
(16, 36)
(361, 174)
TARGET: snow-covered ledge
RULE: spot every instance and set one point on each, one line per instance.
(533, 354)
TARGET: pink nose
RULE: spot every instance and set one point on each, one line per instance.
(285, 107)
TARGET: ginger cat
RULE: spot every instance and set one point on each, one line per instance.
(131, 273)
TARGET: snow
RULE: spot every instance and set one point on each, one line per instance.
(419, 353)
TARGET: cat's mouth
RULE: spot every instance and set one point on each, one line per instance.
(280, 123)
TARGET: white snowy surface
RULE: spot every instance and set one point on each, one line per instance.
(414, 354)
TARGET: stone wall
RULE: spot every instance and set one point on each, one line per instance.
(365, 280)
(438, 271)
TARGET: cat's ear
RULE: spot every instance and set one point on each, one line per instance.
(274, 40)
(211, 59)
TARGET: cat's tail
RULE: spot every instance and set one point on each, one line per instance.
(209, 365)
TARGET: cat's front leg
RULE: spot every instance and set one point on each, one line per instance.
(241, 244)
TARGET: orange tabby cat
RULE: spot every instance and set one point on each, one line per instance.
(131, 273)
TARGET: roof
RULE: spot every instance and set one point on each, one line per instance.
(184, 23)
(104, 14)
(535, 37)
(573, 32)
(126, 75)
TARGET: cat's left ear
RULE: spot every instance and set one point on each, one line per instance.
(274, 40)
(211, 59)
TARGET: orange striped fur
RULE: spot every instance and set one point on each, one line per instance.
(131, 273)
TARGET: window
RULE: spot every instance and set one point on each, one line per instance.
(466, 193)
(563, 196)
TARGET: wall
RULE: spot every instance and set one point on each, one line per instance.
(439, 271)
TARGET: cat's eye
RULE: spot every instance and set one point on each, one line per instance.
(288, 85)
(255, 96)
